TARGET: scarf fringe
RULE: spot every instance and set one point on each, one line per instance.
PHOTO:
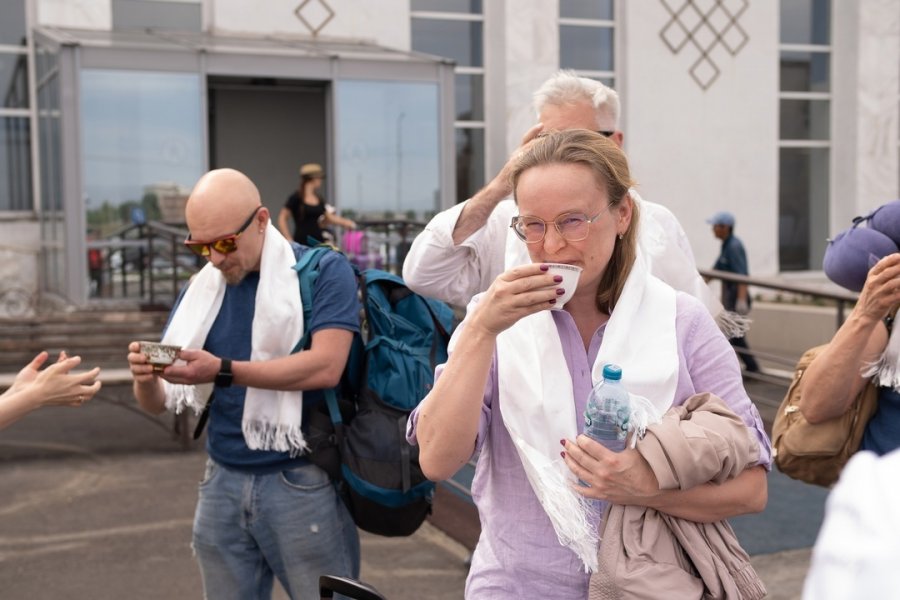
(643, 414)
(886, 370)
(568, 511)
(179, 397)
(279, 437)
(732, 324)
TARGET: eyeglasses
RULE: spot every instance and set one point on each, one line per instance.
(573, 226)
(223, 245)
(607, 133)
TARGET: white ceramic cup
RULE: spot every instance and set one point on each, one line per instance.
(570, 275)
(159, 355)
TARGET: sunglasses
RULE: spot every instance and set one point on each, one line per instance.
(223, 245)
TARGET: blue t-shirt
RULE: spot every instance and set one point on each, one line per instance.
(883, 431)
(335, 306)
(732, 258)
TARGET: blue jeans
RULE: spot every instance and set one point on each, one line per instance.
(290, 524)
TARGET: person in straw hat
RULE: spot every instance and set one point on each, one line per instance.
(310, 213)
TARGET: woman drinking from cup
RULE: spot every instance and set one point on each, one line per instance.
(518, 377)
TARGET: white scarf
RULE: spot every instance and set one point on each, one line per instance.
(271, 418)
(536, 392)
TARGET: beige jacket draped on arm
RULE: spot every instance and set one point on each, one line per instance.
(645, 553)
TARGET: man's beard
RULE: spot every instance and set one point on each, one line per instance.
(233, 276)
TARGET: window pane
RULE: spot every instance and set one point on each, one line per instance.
(586, 9)
(12, 23)
(806, 22)
(803, 208)
(15, 164)
(805, 71)
(470, 97)
(48, 131)
(50, 148)
(588, 48)
(804, 120)
(141, 133)
(14, 80)
(456, 6)
(469, 162)
(388, 148)
(457, 40)
(53, 274)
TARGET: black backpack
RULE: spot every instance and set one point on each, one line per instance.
(359, 437)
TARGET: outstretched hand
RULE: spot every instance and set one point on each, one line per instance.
(517, 293)
(619, 477)
(29, 372)
(57, 385)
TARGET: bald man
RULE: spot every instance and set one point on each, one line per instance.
(264, 509)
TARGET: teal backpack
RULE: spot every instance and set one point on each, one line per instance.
(361, 438)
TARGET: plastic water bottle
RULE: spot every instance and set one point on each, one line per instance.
(608, 410)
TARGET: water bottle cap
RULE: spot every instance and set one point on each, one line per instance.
(611, 371)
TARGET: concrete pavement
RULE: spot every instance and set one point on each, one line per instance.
(97, 503)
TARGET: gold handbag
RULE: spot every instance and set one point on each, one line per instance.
(817, 453)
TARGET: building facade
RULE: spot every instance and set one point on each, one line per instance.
(785, 113)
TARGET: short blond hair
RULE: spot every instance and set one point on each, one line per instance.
(610, 168)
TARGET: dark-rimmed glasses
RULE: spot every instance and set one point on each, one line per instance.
(223, 245)
(573, 226)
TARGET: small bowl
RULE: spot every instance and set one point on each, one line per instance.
(159, 355)
(570, 275)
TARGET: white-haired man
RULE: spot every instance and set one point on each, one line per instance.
(464, 248)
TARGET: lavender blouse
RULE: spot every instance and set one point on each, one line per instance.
(518, 555)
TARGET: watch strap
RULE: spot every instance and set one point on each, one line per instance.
(225, 376)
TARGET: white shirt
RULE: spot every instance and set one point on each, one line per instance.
(855, 556)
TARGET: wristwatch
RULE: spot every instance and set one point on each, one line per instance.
(225, 376)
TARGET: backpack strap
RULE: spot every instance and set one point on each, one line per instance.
(308, 272)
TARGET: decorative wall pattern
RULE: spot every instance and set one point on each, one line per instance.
(314, 14)
(704, 24)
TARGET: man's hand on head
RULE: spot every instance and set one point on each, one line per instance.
(499, 188)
